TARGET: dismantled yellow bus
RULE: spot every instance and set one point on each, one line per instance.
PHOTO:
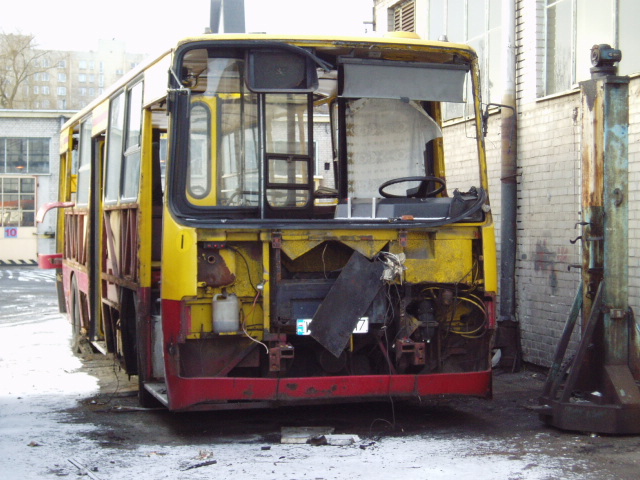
(283, 222)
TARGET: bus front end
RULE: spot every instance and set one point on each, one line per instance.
(322, 239)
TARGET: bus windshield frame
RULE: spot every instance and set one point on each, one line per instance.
(244, 151)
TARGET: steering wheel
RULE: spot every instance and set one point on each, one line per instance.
(414, 192)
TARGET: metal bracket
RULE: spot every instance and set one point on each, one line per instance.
(282, 351)
(402, 238)
(276, 240)
(416, 351)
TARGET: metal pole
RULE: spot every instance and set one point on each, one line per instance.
(508, 178)
(233, 16)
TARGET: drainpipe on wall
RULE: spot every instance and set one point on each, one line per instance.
(508, 336)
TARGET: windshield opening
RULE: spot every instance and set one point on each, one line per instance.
(291, 154)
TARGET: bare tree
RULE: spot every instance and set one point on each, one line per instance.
(20, 60)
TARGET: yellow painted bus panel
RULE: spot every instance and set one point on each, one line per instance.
(179, 252)
(490, 263)
(452, 263)
(100, 118)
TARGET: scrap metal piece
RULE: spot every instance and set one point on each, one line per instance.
(347, 301)
(414, 351)
(301, 435)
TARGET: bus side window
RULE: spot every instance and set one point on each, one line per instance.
(114, 149)
(132, 150)
(84, 170)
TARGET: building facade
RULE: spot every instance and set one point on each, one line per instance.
(553, 39)
(29, 164)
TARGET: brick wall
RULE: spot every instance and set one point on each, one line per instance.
(634, 209)
(549, 205)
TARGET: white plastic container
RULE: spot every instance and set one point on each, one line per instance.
(226, 313)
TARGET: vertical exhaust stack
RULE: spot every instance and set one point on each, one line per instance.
(228, 14)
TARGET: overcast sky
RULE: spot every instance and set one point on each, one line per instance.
(151, 26)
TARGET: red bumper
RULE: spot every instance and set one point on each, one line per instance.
(199, 393)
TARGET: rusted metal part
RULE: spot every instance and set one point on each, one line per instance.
(403, 238)
(276, 245)
(277, 356)
(414, 352)
(557, 372)
(212, 268)
(616, 217)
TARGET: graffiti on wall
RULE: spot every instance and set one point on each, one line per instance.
(548, 260)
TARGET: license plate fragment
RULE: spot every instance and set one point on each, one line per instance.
(303, 326)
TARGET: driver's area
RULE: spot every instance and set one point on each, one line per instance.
(395, 168)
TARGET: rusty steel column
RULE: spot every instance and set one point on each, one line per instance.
(592, 192)
(616, 219)
(597, 392)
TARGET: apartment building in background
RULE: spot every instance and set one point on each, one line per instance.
(72, 79)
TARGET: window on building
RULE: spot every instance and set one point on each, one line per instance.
(574, 26)
(45, 63)
(92, 92)
(62, 91)
(92, 65)
(101, 81)
(82, 64)
(44, 77)
(24, 155)
(83, 92)
(91, 78)
(404, 16)
(17, 202)
(45, 90)
(62, 104)
(82, 78)
(61, 64)
(62, 77)
(476, 23)
(36, 90)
